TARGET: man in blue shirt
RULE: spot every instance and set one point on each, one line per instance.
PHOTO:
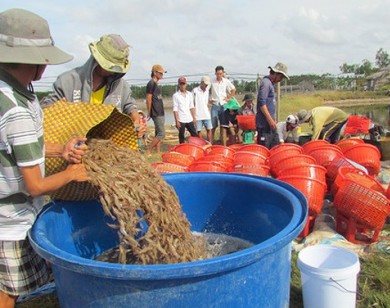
(266, 106)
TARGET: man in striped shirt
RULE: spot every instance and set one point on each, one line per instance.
(26, 49)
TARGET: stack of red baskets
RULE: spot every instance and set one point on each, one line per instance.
(282, 151)
(218, 158)
(361, 211)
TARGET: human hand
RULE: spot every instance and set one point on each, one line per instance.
(140, 129)
(75, 149)
(78, 172)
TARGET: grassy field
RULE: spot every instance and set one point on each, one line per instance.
(374, 277)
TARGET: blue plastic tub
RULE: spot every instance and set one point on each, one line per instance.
(264, 211)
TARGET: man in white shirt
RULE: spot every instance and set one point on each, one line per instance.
(287, 128)
(184, 110)
(222, 90)
(201, 101)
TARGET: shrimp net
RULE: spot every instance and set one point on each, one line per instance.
(152, 227)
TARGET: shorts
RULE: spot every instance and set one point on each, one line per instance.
(216, 115)
(206, 123)
(21, 269)
(159, 127)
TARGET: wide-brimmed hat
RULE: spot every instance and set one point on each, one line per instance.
(280, 68)
(112, 53)
(25, 38)
(303, 115)
(248, 97)
(232, 104)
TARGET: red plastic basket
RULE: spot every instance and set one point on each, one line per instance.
(312, 171)
(236, 146)
(193, 150)
(198, 141)
(255, 148)
(246, 122)
(292, 161)
(292, 147)
(177, 158)
(249, 158)
(334, 166)
(366, 155)
(206, 166)
(357, 175)
(274, 158)
(221, 150)
(325, 154)
(313, 189)
(227, 162)
(261, 170)
(357, 124)
(345, 144)
(162, 168)
(368, 207)
(313, 144)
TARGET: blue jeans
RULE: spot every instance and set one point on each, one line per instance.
(216, 114)
(159, 127)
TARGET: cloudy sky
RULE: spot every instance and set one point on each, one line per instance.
(191, 37)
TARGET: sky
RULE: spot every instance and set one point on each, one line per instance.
(191, 37)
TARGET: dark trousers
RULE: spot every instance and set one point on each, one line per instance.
(267, 137)
(191, 129)
(331, 132)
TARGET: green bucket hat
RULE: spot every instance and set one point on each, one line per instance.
(232, 104)
(25, 38)
(112, 53)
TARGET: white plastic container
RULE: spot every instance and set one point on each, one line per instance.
(328, 276)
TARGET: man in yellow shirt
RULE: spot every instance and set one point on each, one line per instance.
(326, 122)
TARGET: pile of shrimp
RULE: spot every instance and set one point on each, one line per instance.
(152, 227)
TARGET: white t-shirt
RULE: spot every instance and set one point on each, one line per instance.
(201, 100)
(182, 103)
(281, 128)
(219, 90)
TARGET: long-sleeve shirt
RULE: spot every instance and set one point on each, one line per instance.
(322, 116)
(182, 104)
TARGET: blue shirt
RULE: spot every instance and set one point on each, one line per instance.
(265, 96)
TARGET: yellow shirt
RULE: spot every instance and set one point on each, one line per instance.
(97, 96)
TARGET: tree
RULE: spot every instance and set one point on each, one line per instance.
(382, 58)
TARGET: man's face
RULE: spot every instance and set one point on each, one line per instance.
(182, 86)
(219, 74)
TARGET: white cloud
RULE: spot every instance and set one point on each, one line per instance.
(191, 37)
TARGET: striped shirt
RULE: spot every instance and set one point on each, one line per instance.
(21, 145)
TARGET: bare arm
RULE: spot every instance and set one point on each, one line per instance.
(149, 103)
(36, 185)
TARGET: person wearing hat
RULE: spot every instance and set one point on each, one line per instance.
(266, 106)
(184, 110)
(229, 122)
(202, 111)
(26, 48)
(326, 122)
(288, 129)
(155, 107)
(222, 90)
(100, 79)
(248, 107)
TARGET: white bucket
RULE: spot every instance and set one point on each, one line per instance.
(329, 276)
